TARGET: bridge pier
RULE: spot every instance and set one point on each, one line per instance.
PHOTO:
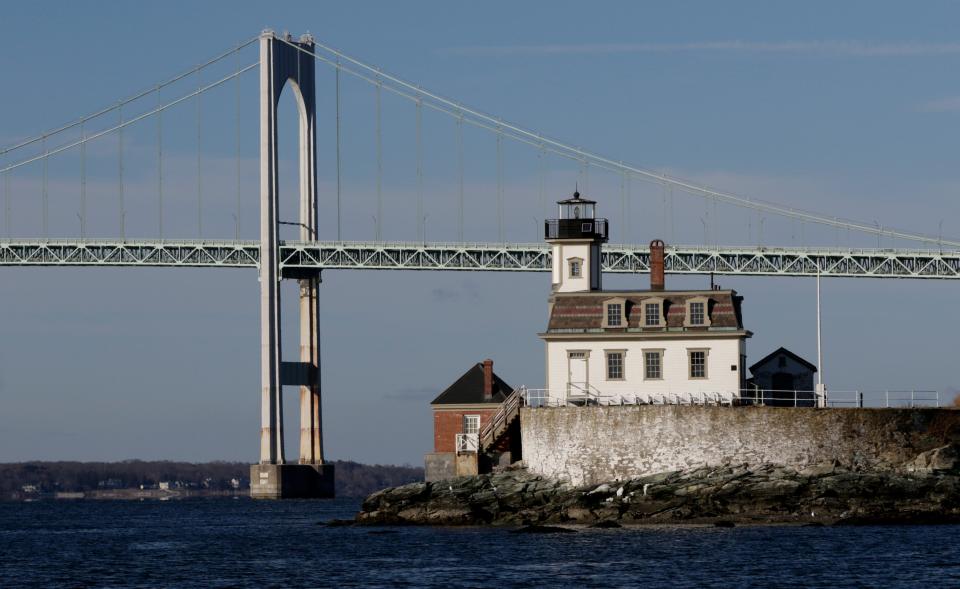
(281, 61)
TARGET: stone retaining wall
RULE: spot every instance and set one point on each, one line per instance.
(587, 445)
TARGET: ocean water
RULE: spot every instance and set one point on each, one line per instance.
(242, 543)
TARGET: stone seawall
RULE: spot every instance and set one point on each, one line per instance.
(590, 445)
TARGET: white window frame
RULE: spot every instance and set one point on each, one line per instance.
(659, 353)
(688, 319)
(467, 419)
(623, 312)
(661, 321)
(706, 363)
(623, 364)
(573, 263)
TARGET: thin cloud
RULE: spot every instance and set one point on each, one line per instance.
(825, 48)
(948, 104)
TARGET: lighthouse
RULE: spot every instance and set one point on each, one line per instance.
(576, 237)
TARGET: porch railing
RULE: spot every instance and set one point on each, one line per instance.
(467, 443)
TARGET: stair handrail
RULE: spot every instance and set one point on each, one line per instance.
(509, 406)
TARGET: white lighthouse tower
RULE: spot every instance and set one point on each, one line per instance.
(576, 238)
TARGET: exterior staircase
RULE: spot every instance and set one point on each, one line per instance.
(493, 432)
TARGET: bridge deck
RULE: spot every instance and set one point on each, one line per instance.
(758, 261)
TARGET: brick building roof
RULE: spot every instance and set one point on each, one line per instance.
(468, 389)
(584, 311)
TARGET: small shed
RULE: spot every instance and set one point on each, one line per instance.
(783, 379)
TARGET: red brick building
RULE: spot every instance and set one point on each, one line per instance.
(459, 413)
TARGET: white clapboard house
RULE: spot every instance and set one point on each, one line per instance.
(637, 346)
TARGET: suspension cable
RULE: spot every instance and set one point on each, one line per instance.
(500, 187)
(159, 166)
(123, 213)
(337, 86)
(378, 224)
(46, 208)
(83, 184)
(128, 122)
(199, 161)
(239, 159)
(460, 177)
(421, 222)
(125, 101)
(478, 118)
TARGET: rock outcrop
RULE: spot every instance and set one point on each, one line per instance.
(926, 490)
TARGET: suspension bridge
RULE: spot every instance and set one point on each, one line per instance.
(113, 189)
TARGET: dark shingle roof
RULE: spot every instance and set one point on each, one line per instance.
(785, 352)
(584, 311)
(468, 389)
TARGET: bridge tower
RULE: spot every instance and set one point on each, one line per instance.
(283, 61)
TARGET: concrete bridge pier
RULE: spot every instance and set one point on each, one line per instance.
(283, 60)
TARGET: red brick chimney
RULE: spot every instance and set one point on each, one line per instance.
(487, 379)
(656, 264)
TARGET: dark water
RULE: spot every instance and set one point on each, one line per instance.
(241, 543)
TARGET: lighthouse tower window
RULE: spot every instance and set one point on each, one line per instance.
(576, 269)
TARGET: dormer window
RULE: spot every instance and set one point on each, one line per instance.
(653, 313)
(698, 313)
(576, 267)
(614, 315)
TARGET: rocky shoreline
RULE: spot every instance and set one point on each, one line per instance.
(927, 490)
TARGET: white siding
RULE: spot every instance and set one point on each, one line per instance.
(562, 253)
(722, 355)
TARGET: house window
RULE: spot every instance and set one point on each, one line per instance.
(653, 365)
(697, 313)
(576, 268)
(614, 365)
(471, 424)
(651, 314)
(614, 315)
(698, 363)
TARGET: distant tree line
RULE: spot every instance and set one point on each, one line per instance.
(352, 479)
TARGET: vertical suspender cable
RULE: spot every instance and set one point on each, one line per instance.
(83, 184)
(460, 174)
(159, 167)
(199, 163)
(586, 177)
(673, 233)
(123, 213)
(46, 205)
(6, 198)
(337, 85)
(623, 206)
(378, 225)
(542, 196)
(421, 230)
(499, 185)
(629, 207)
(239, 179)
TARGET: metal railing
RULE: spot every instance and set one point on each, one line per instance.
(468, 443)
(508, 409)
(767, 397)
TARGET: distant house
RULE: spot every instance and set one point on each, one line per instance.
(783, 379)
(460, 413)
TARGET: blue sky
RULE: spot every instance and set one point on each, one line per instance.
(849, 109)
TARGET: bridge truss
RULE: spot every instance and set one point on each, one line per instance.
(755, 261)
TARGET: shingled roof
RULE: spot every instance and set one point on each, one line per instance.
(468, 389)
(584, 311)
